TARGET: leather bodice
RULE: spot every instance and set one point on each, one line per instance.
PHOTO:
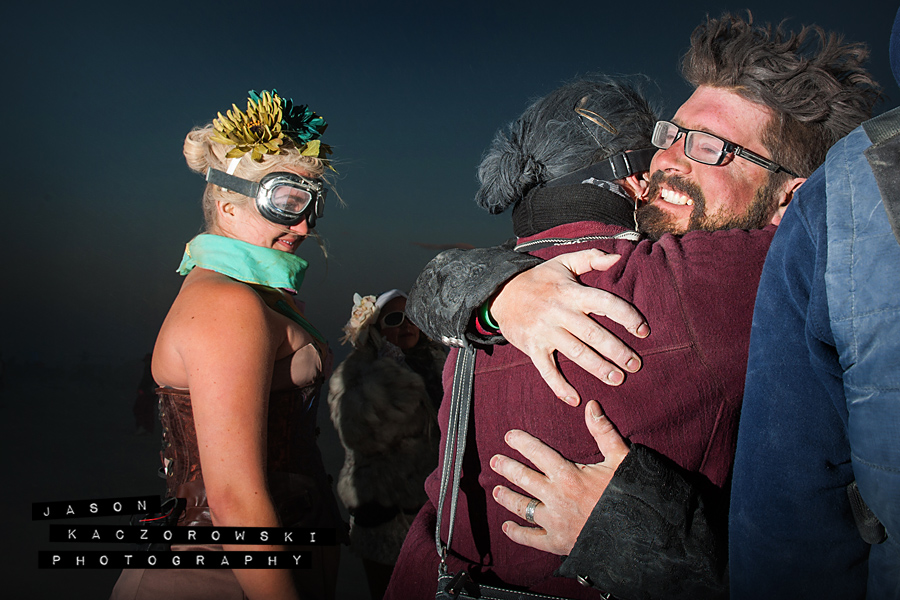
(297, 480)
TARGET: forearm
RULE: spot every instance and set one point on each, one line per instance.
(265, 584)
(448, 292)
(257, 511)
(655, 533)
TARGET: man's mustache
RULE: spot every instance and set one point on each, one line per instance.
(675, 183)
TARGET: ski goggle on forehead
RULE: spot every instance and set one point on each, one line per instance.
(281, 197)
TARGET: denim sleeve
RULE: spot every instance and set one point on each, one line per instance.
(862, 279)
(790, 535)
(654, 534)
(451, 288)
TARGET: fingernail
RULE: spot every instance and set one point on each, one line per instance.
(570, 400)
(643, 330)
(494, 460)
(505, 527)
(595, 412)
(633, 364)
(615, 377)
(496, 492)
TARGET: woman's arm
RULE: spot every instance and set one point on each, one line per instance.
(228, 347)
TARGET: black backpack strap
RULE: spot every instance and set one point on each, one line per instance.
(870, 528)
(884, 159)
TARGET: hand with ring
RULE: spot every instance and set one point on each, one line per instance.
(529, 510)
(565, 492)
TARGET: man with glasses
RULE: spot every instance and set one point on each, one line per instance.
(731, 158)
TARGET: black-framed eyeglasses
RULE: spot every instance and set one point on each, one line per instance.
(392, 319)
(707, 148)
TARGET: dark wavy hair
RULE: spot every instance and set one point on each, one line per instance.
(814, 83)
(550, 139)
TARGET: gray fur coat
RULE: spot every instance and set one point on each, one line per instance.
(388, 425)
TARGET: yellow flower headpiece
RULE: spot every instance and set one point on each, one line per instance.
(270, 120)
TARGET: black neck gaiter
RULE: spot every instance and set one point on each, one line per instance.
(547, 207)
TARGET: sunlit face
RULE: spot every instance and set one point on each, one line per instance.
(685, 195)
(405, 335)
(246, 224)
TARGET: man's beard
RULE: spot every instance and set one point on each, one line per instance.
(653, 222)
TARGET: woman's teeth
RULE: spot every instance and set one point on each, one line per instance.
(673, 197)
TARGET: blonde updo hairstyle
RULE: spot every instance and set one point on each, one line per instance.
(201, 153)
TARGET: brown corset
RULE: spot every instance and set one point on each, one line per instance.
(297, 481)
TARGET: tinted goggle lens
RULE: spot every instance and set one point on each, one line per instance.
(393, 319)
(290, 200)
(287, 199)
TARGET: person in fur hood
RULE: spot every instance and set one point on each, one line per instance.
(384, 399)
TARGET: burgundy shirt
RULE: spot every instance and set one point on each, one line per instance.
(697, 293)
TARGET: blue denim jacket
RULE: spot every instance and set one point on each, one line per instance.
(810, 418)
(862, 279)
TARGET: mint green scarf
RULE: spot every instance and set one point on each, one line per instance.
(244, 262)
(254, 265)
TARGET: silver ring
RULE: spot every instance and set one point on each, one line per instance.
(529, 510)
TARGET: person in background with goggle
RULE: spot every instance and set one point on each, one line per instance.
(394, 325)
(384, 399)
(239, 366)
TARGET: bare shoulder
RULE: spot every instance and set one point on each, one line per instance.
(211, 299)
(210, 313)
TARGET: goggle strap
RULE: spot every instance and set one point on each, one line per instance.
(230, 182)
(629, 163)
(615, 167)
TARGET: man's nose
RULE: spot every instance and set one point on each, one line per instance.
(672, 159)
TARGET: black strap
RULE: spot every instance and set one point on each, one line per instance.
(612, 168)
(460, 586)
(870, 528)
(230, 182)
(884, 159)
(455, 446)
(884, 126)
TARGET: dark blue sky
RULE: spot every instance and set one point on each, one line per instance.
(98, 97)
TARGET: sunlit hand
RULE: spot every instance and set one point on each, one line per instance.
(567, 491)
(545, 309)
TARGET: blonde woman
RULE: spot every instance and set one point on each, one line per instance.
(238, 365)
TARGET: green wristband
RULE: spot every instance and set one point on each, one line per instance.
(486, 319)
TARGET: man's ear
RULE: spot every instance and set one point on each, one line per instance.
(786, 194)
